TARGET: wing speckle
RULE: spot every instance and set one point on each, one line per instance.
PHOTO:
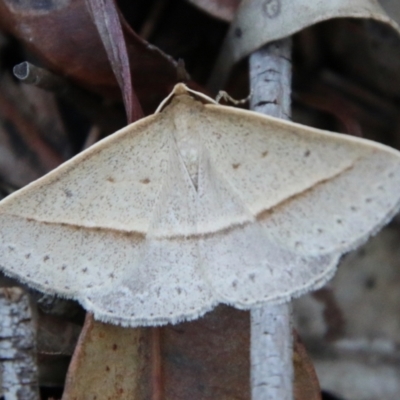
(235, 166)
(145, 181)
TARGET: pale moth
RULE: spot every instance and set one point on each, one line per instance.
(196, 205)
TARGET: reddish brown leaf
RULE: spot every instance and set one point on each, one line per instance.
(62, 34)
(105, 16)
(208, 359)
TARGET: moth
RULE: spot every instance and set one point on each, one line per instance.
(196, 205)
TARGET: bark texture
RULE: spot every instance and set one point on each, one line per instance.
(271, 327)
(19, 373)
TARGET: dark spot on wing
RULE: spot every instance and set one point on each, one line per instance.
(235, 166)
(264, 154)
(145, 181)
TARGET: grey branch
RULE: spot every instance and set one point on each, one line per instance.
(271, 327)
(19, 372)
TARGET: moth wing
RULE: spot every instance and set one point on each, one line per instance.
(313, 192)
(246, 269)
(123, 277)
(115, 184)
(163, 285)
(241, 263)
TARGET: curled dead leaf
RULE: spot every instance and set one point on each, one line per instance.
(258, 22)
(222, 9)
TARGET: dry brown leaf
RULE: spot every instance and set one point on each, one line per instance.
(206, 359)
(110, 362)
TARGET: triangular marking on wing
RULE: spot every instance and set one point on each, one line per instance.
(174, 213)
(186, 139)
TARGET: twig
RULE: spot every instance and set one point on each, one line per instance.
(17, 346)
(271, 328)
(33, 75)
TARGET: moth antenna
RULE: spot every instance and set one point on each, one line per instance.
(222, 95)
